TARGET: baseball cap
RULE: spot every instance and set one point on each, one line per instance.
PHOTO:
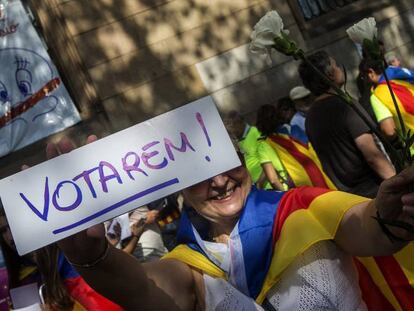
(299, 92)
(390, 57)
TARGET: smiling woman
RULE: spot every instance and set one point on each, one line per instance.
(236, 251)
(220, 199)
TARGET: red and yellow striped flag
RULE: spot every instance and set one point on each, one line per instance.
(300, 161)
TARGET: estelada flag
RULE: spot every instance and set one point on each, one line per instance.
(387, 282)
(402, 84)
(300, 161)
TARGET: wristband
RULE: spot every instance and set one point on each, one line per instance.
(93, 263)
(391, 236)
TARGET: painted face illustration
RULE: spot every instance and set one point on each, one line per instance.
(29, 101)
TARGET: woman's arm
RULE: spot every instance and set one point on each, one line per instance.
(361, 235)
(164, 285)
(272, 176)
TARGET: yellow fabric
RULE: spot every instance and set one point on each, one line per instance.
(305, 227)
(195, 259)
(26, 271)
(405, 259)
(266, 153)
(381, 112)
(78, 307)
(383, 94)
(301, 229)
(376, 275)
(295, 169)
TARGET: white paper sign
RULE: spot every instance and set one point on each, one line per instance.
(116, 174)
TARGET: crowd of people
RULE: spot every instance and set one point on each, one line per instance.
(312, 137)
(234, 243)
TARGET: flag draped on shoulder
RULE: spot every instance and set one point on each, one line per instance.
(274, 228)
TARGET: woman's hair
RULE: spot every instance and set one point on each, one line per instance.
(55, 293)
(266, 120)
(285, 110)
(235, 124)
(310, 79)
(367, 64)
(46, 260)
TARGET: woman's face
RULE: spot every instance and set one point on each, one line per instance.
(220, 199)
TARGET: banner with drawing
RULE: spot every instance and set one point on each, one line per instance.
(116, 174)
(34, 103)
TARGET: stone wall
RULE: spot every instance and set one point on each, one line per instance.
(128, 60)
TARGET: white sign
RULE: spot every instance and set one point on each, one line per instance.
(116, 174)
(34, 103)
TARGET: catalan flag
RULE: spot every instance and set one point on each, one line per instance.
(402, 84)
(276, 227)
(85, 298)
(300, 161)
(387, 282)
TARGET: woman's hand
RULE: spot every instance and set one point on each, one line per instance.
(395, 202)
(89, 245)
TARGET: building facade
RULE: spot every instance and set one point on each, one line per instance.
(125, 61)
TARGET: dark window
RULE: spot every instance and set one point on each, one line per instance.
(314, 8)
(317, 17)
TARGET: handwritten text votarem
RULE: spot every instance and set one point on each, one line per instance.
(135, 163)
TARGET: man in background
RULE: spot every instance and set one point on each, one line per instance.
(341, 139)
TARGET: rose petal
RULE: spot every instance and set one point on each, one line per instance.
(364, 29)
(265, 31)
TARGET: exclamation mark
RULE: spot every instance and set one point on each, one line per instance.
(203, 127)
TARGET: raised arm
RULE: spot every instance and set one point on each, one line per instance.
(361, 235)
(164, 285)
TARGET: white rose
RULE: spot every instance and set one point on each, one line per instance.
(365, 29)
(265, 31)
